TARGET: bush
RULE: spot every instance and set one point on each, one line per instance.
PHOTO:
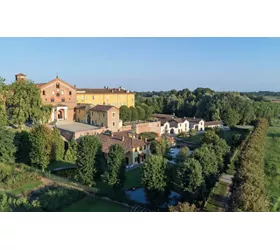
(53, 199)
(11, 177)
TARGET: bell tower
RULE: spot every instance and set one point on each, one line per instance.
(20, 77)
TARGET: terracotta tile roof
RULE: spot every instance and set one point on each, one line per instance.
(162, 116)
(126, 133)
(104, 91)
(103, 108)
(210, 123)
(20, 74)
(127, 143)
(193, 119)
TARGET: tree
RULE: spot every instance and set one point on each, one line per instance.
(231, 117)
(115, 175)
(150, 136)
(24, 102)
(190, 175)
(86, 155)
(134, 114)
(208, 161)
(183, 207)
(182, 156)
(125, 113)
(3, 111)
(154, 178)
(40, 146)
(23, 147)
(71, 153)
(57, 146)
(7, 147)
(148, 111)
(141, 113)
(162, 147)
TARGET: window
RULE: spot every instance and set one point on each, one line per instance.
(57, 85)
(62, 92)
(53, 92)
(44, 93)
(113, 114)
(93, 97)
(52, 99)
(103, 115)
(63, 99)
(113, 124)
(70, 93)
(46, 99)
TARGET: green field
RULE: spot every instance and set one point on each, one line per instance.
(25, 188)
(272, 167)
(133, 178)
(89, 204)
(217, 198)
(195, 138)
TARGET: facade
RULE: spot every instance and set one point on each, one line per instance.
(136, 150)
(170, 124)
(82, 113)
(108, 96)
(61, 96)
(197, 124)
(105, 116)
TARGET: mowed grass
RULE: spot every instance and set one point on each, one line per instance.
(272, 167)
(25, 188)
(133, 178)
(90, 204)
(195, 138)
(217, 198)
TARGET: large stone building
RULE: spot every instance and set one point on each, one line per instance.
(61, 96)
(107, 96)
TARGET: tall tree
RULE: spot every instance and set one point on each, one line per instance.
(115, 175)
(86, 155)
(57, 146)
(3, 111)
(141, 113)
(40, 146)
(190, 175)
(125, 113)
(134, 114)
(154, 177)
(71, 153)
(24, 102)
(182, 155)
(7, 147)
(23, 147)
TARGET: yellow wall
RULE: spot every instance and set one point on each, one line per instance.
(113, 99)
(99, 118)
(80, 115)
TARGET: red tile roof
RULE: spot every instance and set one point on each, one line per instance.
(105, 91)
(127, 143)
(103, 108)
(211, 123)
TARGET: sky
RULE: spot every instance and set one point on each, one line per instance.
(146, 64)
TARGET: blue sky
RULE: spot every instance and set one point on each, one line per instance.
(140, 64)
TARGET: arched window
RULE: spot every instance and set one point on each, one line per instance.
(44, 92)
(57, 85)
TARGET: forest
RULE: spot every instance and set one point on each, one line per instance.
(232, 108)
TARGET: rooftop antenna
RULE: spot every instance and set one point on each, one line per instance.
(56, 75)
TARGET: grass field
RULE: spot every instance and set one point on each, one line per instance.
(272, 167)
(195, 138)
(89, 204)
(217, 198)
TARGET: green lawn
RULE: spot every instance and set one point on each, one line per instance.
(25, 188)
(133, 178)
(89, 204)
(195, 138)
(215, 202)
(59, 164)
(272, 167)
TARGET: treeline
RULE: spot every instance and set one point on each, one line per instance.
(139, 112)
(232, 108)
(248, 189)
